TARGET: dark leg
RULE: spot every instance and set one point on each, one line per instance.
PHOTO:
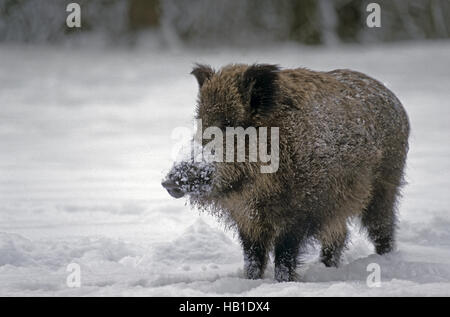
(287, 248)
(379, 218)
(332, 251)
(255, 257)
(380, 215)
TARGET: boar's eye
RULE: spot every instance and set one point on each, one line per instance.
(227, 123)
(223, 123)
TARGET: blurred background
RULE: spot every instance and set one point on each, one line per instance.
(225, 23)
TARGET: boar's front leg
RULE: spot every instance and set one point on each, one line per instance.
(287, 247)
(255, 256)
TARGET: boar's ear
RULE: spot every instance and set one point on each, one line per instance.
(258, 87)
(202, 73)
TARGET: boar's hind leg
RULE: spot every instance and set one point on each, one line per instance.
(287, 248)
(380, 217)
(255, 257)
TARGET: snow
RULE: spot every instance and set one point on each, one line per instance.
(85, 138)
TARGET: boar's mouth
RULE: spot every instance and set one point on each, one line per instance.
(173, 189)
(175, 193)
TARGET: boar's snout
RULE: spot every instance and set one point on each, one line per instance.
(172, 188)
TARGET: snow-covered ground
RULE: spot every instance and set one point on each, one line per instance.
(85, 139)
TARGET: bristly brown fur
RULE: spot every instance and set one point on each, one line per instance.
(343, 146)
